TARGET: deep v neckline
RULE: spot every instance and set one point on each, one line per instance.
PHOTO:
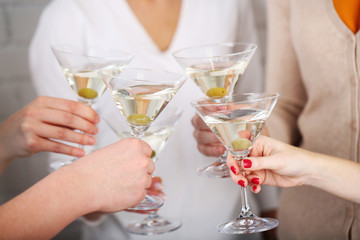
(146, 34)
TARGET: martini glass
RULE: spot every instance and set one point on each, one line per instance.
(237, 121)
(80, 65)
(156, 136)
(216, 69)
(141, 95)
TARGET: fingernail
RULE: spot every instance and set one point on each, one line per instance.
(92, 140)
(158, 186)
(254, 188)
(234, 170)
(96, 130)
(247, 163)
(255, 180)
(80, 153)
(241, 183)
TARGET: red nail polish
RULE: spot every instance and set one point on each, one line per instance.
(234, 170)
(255, 180)
(241, 183)
(254, 188)
(247, 163)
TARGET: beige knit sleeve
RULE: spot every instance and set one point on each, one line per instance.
(283, 74)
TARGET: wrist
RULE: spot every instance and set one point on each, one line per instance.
(314, 169)
(75, 188)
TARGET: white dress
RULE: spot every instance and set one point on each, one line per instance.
(200, 203)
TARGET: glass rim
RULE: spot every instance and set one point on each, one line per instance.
(265, 94)
(57, 47)
(225, 44)
(182, 77)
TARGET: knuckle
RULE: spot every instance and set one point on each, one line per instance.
(32, 143)
(83, 139)
(57, 148)
(73, 106)
(61, 133)
(68, 118)
(30, 112)
(26, 127)
(89, 128)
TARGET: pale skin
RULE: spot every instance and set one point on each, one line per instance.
(88, 185)
(32, 129)
(63, 196)
(279, 164)
(159, 18)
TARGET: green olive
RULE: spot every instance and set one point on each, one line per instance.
(240, 144)
(88, 93)
(138, 119)
(153, 154)
(216, 92)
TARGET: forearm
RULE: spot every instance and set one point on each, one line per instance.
(43, 210)
(334, 175)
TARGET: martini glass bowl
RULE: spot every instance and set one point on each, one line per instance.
(216, 69)
(80, 65)
(141, 95)
(156, 136)
(237, 121)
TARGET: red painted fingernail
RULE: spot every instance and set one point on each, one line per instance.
(255, 180)
(241, 183)
(247, 163)
(254, 188)
(234, 170)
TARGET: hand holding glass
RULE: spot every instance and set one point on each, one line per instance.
(237, 120)
(141, 95)
(80, 65)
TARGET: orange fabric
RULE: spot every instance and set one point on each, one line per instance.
(349, 12)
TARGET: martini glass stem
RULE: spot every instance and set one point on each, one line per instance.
(150, 202)
(138, 132)
(245, 207)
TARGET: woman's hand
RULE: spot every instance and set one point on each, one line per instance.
(155, 189)
(271, 162)
(33, 128)
(208, 143)
(115, 177)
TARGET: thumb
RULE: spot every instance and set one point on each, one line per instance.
(260, 163)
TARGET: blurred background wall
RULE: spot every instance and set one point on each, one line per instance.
(18, 20)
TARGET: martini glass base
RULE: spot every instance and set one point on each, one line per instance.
(214, 170)
(244, 225)
(153, 225)
(149, 203)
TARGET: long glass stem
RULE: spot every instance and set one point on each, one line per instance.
(245, 207)
(149, 202)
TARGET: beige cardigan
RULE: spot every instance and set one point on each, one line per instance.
(313, 62)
